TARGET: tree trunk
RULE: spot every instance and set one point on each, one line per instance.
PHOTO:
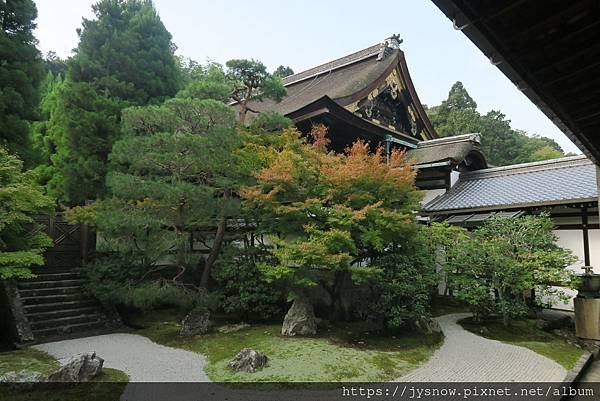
(216, 247)
(338, 311)
(242, 112)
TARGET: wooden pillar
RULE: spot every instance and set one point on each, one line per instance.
(586, 236)
(598, 187)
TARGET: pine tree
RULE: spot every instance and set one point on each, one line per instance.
(124, 57)
(21, 71)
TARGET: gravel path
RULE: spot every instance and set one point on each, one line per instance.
(142, 359)
(467, 357)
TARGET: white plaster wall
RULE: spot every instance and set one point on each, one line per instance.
(573, 240)
(454, 176)
(594, 236)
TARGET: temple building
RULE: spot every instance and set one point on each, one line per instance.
(370, 95)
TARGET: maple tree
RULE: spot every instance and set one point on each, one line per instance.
(334, 214)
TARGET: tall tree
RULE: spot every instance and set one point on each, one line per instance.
(21, 71)
(124, 57)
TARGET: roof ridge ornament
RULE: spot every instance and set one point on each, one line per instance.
(391, 43)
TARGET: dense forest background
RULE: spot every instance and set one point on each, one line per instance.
(502, 144)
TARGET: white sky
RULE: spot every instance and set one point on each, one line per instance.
(304, 33)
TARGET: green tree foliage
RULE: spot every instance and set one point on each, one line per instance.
(206, 82)
(126, 52)
(251, 81)
(124, 57)
(55, 65)
(21, 71)
(170, 188)
(81, 129)
(283, 71)
(401, 289)
(501, 144)
(242, 290)
(495, 268)
(22, 240)
(333, 213)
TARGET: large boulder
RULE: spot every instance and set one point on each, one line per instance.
(300, 319)
(427, 325)
(196, 322)
(80, 368)
(22, 376)
(248, 360)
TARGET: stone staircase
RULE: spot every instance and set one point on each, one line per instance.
(55, 305)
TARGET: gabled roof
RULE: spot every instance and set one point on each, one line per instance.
(344, 81)
(452, 150)
(553, 182)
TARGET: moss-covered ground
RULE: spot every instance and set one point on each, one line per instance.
(524, 333)
(27, 359)
(349, 352)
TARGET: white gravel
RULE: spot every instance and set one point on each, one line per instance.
(467, 357)
(142, 359)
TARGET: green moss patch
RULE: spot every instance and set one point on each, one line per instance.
(343, 353)
(27, 359)
(524, 333)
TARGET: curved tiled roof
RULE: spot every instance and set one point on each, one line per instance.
(454, 149)
(551, 182)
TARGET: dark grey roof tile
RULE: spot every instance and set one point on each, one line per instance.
(548, 182)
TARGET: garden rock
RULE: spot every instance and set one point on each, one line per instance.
(300, 320)
(196, 322)
(80, 368)
(427, 325)
(248, 360)
(554, 323)
(22, 376)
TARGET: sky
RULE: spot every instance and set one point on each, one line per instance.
(305, 33)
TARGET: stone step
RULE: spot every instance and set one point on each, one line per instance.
(58, 313)
(51, 299)
(52, 306)
(49, 291)
(54, 269)
(65, 321)
(26, 285)
(68, 329)
(54, 276)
